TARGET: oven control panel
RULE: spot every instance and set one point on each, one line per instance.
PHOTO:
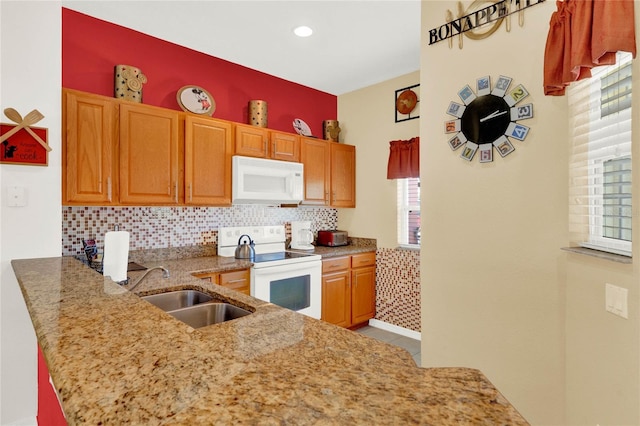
(265, 238)
(258, 234)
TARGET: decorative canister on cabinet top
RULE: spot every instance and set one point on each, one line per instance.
(258, 113)
(128, 83)
(331, 130)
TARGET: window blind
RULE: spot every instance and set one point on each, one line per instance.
(600, 162)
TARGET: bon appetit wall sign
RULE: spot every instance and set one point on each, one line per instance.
(478, 15)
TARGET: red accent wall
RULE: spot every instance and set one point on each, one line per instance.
(92, 47)
(49, 411)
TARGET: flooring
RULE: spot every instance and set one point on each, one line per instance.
(411, 345)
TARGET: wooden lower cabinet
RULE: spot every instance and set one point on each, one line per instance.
(336, 296)
(235, 280)
(363, 294)
(349, 289)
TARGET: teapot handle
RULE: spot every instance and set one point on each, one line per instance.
(244, 235)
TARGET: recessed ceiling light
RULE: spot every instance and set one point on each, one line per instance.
(303, 31)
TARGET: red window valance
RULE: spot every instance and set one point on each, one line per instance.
(584, 34)
(404, 159)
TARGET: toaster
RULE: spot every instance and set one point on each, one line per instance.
(332, 238)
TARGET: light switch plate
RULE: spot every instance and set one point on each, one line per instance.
(16, 196)
(616, 300)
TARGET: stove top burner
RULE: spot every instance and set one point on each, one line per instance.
(283, 255)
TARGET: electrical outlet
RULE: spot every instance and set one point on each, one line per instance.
(616, 300)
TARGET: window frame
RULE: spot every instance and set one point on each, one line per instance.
(601, 133)
(404, 209)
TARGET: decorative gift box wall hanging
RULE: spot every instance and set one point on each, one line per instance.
(21, 143)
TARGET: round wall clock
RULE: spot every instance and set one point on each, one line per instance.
(488, 118)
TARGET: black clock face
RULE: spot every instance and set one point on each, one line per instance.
(485, 119)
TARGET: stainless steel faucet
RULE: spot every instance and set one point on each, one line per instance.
(165, 274)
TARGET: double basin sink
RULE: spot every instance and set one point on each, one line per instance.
(195, 308)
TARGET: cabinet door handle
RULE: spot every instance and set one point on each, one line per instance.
(176, 187)
(235, 281)
(109, 188)
(190, 191)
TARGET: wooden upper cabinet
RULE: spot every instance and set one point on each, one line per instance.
(149, 155)
(329, 173)
(89, 160)
(208, 146)
(284, 146)
(252, 141)
(315, 156)
(343, 175)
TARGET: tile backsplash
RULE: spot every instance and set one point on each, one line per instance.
(163, 227)
(398, 287)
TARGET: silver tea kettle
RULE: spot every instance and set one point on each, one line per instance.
(245, 250)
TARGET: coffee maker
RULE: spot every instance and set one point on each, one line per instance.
(301, 235)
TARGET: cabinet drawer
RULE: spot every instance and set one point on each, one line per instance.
(336, 264)
(236, 280)
(363, 259)
(210, 277)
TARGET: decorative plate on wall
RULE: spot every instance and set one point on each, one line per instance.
(488, 118)
(196, 100)
(406, 103)
(301, 127)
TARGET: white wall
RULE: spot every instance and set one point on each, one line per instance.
(491, 266)
(367, 117)
(30, 78)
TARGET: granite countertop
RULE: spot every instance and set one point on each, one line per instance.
(116, 359)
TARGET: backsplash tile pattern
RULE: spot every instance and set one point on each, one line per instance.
(162, 227)
(398, 287)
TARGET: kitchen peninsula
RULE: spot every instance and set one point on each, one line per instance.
(116, 359)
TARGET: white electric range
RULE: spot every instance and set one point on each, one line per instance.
(286, 278)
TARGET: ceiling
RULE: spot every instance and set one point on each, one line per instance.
(355, 43)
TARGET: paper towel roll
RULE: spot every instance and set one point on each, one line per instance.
(116, 255)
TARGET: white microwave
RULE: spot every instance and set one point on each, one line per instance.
(258, 180)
